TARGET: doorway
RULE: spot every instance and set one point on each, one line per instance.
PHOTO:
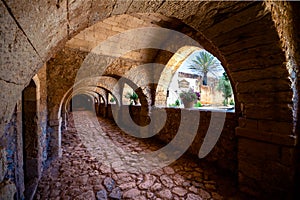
(30, 140)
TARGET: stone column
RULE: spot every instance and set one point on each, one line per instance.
(266, 158)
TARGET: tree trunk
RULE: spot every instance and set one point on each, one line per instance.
(205, 79)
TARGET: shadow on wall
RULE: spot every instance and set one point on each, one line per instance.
(30, 140)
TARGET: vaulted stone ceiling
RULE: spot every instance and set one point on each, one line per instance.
(257, 43)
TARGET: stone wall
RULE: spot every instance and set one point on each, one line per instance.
(224, 153)
(246, 37)
(296, 39)
(285, 13)
(30, 120)
(10, 150)
(262, 161)
(42, 108)
(61, 72)
(63, 68)
(267, 136)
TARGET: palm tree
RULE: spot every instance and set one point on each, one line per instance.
(203, 63)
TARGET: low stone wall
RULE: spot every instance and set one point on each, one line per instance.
(223, 154)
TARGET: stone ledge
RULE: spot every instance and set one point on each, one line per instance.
(288, 140)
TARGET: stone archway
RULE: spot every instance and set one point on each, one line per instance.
(78, 22)
(169, 71)
(31, 143)
(68, 107)
(255, 62)
(101, 85)
(81, 102)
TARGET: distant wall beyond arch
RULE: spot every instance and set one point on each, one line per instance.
(168, 72)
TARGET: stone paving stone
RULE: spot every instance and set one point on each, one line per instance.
(169, 170)
(179, 191)
(80, 174)
(126, 186)
(156, 187)
(116, 193)
(147, 182)
(204, 194)
(165, 194)
(166, 181)
(109, 183)
(101, 195)
(87, 195)
(192, 196)
(132, 193)
(178, 179)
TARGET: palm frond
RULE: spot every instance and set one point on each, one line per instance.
(203, 62)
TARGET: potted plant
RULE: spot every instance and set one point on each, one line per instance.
(133, 97)
(188, 98)
(112, 100)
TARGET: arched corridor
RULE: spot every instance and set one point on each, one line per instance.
(79, 174)
(116, 59)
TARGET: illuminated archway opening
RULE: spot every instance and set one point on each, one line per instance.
(129, 97)
(81, 102)
(200, 81)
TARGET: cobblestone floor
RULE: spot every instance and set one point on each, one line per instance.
(79, 174)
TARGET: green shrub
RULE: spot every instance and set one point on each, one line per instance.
(133, 97)
(198, 104)
(177, 103)
(112, 100)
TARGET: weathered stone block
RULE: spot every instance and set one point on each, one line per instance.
(16, 51)
(282, 128)
(258, 152)
(260, 168)
(258, 74)
(254, 59)
(249, 185)
(288, 156)
(275, 112)
(253, 171)
(276, 174)
(268, 137)
(7, 190)
(78, 15)
(242, 18)
(33, 169)
(45, 24)
(269, 97)
(3, 166)
(265, 85)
